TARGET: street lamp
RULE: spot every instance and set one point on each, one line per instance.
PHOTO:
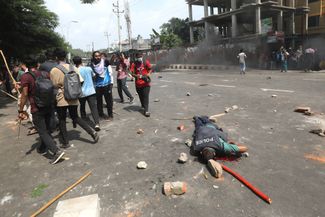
(68, 29)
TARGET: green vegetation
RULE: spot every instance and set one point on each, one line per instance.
(174, 33)
(39, 190)
(27, 27)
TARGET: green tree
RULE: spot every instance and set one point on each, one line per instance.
(179, 27)
(27, 27)
(170, 40)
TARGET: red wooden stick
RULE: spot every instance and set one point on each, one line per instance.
(249, 185)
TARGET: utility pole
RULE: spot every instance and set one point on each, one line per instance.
(92, 44)
(107, 36)
(128, 22)
(117, 11)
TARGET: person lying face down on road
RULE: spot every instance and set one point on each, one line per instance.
(210, 141)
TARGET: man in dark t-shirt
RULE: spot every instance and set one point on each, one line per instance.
(41, 115)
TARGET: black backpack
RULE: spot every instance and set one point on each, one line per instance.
(44, 90)
(72, 84)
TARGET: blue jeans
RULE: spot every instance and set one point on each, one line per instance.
(242, 68)
(284, 65)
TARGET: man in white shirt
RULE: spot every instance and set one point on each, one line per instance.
(242, 56)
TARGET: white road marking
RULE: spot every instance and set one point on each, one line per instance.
(190, 83)
(277, 90)
(166, 81)
(312, 79)
(220, 85)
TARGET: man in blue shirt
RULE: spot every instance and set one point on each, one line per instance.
(88, 92)
(104, 84)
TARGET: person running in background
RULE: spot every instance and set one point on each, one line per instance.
(88, 92)
(309, 59)
(121, 80)
(104, 84)
(63, 105)
(242, 63)
(141, 71)
(284, 59)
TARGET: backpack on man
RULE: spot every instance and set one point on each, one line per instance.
(44, 90)
(71, 84)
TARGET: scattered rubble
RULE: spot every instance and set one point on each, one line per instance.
(181, 127)
(319, 132)
(182, 158)
(142, 165)
(175, 188)
(274, 96)
(268, 78)
(188, 142)
(308, 113)
(140, 131)
(188, 94)
(234, 107)
(227, 110)
(210, 94)
(302, 109)
(215, 168)
(157, 100)
(215, 186)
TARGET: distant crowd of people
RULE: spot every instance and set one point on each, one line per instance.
(51, 91)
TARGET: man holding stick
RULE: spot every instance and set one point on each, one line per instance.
(41, 113)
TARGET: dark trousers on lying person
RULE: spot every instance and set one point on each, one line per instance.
(73, 112)
(42, 122)
(105, 91)
(92, 102)
(143, 93)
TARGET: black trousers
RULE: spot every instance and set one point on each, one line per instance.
(121, 87)
(42, 122)
(73, 112)
(143, 93)
(105, 91)
(92, 102)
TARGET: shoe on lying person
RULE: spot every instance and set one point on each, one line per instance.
(57, 157)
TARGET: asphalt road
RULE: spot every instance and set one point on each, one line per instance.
(286, 161)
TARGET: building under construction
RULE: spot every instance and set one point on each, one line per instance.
(278, 21)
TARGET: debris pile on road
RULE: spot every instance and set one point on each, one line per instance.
(142, 165)
(302, 109)
(320, 132)
(175, 188)
(182, 158)
(215, 168)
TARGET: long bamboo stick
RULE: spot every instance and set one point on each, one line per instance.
(60, 195)
(8, 94)
(5, 61)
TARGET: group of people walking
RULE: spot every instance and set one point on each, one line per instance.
(54, 89)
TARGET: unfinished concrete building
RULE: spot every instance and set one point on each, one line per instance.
(251, 19)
